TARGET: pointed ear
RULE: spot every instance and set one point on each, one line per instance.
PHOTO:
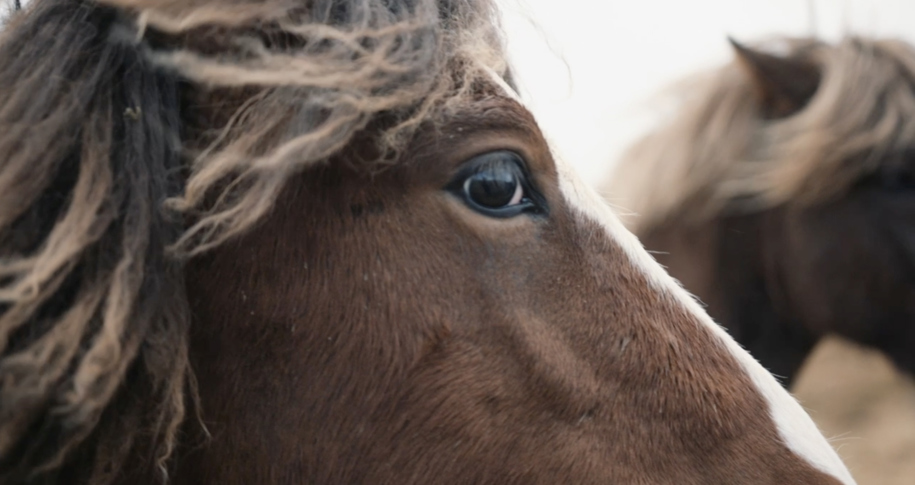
(784, 84)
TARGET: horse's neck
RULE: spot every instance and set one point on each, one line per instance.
(727, 264)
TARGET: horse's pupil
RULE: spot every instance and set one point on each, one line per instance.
(493, 186)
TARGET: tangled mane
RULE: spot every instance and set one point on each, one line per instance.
(719, 154)
(137, 133)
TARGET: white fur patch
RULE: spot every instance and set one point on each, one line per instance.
(798, 431)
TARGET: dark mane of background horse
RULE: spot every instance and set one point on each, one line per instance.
(99, 127)
(779, 193)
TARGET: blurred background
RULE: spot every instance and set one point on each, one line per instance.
(589, 68)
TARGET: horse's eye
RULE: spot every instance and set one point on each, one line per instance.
(495, 185)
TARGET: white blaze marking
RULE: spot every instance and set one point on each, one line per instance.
(794, 424)
(798, 431)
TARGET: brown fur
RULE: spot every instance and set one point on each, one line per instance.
(491, 375)
(790, 216)
(347, 319)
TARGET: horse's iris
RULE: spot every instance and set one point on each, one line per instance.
(495, 184)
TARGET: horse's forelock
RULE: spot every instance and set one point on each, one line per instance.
(340, 64)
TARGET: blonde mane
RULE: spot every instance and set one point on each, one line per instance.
(413, 61)
(718, 154)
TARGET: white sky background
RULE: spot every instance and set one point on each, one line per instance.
(588, 67)
(619, 53)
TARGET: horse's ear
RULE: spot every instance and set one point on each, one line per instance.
(784, 84)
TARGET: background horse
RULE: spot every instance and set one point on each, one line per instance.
(369, 268)
(782, 194)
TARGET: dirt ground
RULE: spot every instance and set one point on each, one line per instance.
(866, 407)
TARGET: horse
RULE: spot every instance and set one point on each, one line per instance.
(780, 193)
(324, 241)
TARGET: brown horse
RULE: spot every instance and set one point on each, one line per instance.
(368, 267)
(781, 194)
